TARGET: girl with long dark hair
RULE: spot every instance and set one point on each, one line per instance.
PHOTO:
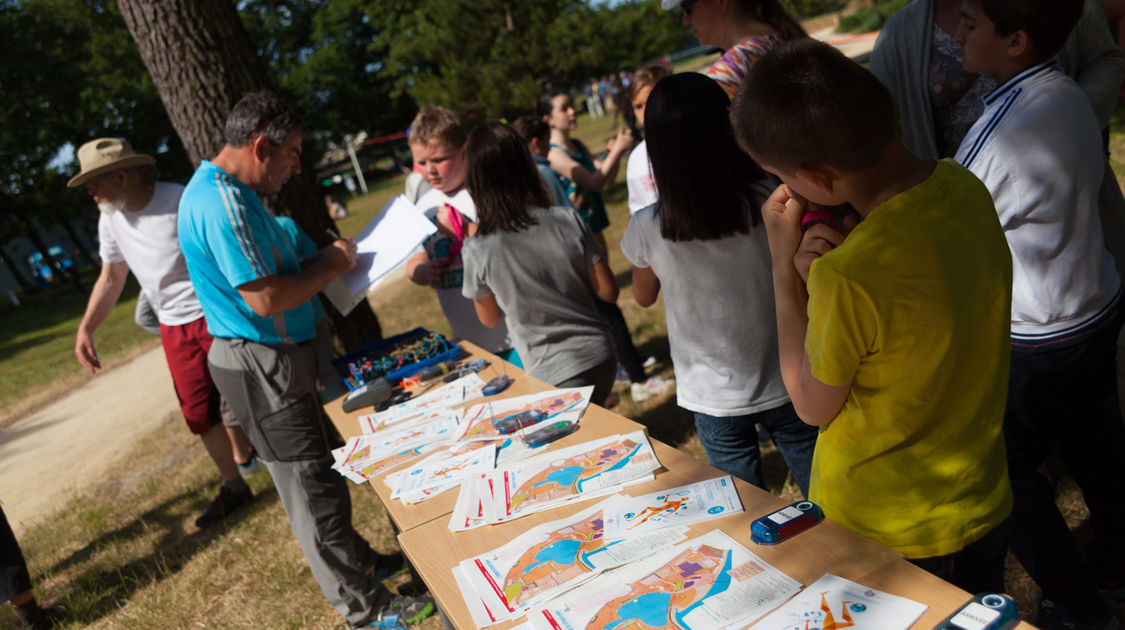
(702, 243)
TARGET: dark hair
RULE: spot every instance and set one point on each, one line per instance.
(705, 182)
(532, 128)
(503, 180)
(544, 105)
(805, 102)
(773, 13)
(1047, 22)
(261, 113)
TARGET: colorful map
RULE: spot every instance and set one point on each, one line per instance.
(559, 559)
(708, 583)
(548, 559)
(663, 598)
(566, 478)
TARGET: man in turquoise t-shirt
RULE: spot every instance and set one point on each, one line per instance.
(255, 294)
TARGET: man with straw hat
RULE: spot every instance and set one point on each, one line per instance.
(138, 232)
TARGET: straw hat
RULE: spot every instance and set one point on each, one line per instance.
(104, 155)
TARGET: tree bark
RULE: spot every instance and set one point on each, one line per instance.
(202, 61)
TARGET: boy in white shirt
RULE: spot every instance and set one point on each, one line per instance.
(1038, 148)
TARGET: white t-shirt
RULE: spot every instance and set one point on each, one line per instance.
(148, 241)
(722, 329)
(458, 309)
(639, 180)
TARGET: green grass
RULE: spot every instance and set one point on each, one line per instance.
(37, 348)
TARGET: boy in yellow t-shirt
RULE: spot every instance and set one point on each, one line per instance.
(900, 350)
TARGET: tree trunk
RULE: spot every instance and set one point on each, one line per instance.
(73, 235)
(202, 61)
(13, 266)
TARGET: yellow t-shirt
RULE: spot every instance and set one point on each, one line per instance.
(913, 308)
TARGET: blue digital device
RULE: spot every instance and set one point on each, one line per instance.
(788, 521)
(985, 611)
(496, 385)
(517, 421)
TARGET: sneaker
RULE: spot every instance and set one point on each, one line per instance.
(252, 467)
(1052, 616)
(649, 362)
(654, 386)
(228, 502)
(401, 612)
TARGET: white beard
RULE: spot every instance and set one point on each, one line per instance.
(109, 207)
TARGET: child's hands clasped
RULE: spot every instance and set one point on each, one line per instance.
(781, 214)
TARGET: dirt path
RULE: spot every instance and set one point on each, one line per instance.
(61, 448)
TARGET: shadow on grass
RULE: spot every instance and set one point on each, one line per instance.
(99, 590)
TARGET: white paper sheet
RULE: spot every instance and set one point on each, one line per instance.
(382, 246)
(426, 406)
(441, 471)
(673, 507)
(835, 602)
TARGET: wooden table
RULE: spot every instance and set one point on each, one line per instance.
(826, 548)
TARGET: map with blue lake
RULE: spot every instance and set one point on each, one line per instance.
(665, 597)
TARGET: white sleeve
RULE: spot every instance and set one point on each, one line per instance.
(107, 244)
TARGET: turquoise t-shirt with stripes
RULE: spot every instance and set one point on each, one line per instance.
(229, 239)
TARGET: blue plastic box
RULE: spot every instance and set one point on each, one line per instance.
(341, 364)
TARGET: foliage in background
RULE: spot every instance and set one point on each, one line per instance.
(871, 18)
(811, 8)
(327, 59)
(70, 74)
(493, 58)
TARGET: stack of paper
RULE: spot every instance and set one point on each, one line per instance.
(428, 405)
(547, 560)
(546, 481)
(705, 583)
(558, 405)
(366, 456)
(833, 602)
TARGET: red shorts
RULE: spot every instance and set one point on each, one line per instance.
(185, 348)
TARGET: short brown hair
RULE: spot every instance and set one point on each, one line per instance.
(435, 123)
(1047, 22)
(805, 102)
(647, 77)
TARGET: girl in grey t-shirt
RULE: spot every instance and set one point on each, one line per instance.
(537, 266)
